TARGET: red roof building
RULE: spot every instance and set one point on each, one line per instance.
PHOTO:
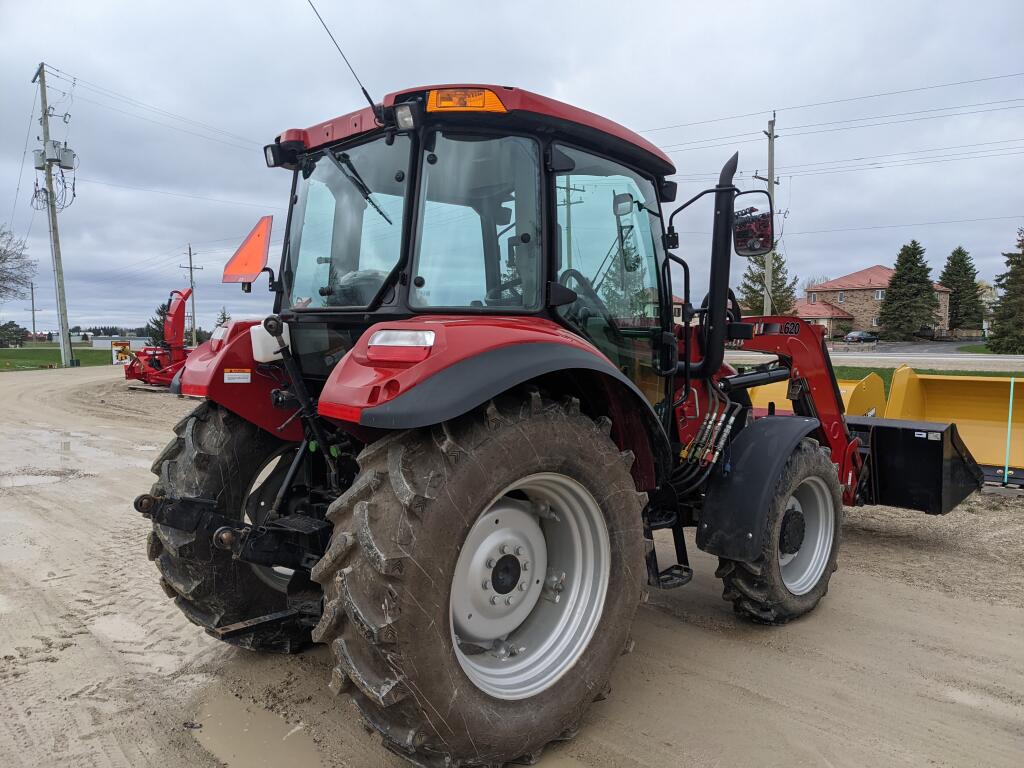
(822, 313)
(858, 296)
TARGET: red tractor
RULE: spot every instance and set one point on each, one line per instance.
(447, 452)
(157, 366)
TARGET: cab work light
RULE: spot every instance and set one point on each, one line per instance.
(464, 100)
(399, 346)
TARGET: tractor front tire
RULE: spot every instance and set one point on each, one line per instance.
(216, 454)
(800, 543)
(447, 520)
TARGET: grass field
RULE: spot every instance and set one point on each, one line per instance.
(852, 373)
(978, 349)
(41, 357)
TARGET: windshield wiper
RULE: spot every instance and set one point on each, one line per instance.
(348, 170)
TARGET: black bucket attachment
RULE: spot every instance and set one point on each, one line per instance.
(915, 464)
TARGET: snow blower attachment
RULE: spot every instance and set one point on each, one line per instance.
(157, 366)
(446, 453)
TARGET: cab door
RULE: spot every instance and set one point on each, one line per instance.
(609, 252)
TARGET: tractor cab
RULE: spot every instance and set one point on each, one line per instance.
(476, 201)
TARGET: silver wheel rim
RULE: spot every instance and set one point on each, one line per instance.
(803, 569)
(517, 627)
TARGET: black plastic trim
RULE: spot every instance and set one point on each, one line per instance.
(742, 486)
(471, 382)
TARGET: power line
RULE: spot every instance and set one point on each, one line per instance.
(696, 176)
(180, 194)
(835, 101)
(156, 122)
(898, 226)
(103, 91)
(24, 154)
(671, 147)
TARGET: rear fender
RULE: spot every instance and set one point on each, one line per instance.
(741, 488)
(474, 359)
(223, 370)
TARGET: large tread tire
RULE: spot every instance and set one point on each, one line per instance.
(757, 590)
(216, 454)
(387, 577)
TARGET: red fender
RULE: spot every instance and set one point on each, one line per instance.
(366, 379)
(223, 370)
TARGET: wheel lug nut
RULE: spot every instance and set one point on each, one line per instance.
(520, 551)
(526, 565)
(523, 586)
(487, 584)
(504, 549)
(490, 562)
(508, 600)
(494, 599)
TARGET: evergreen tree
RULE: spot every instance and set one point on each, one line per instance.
(155, 326)
(1007, 336)
(910, 302)
(782, 289)
(223, 318)
(961, 277)
(12, 334)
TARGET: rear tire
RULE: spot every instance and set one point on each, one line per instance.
(800, 543)
(395, 554)
(218, 455)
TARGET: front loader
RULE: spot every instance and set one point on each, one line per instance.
(447, 451)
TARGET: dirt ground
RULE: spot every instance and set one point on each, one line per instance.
(916, 656)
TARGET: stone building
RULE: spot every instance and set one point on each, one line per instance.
(859, 295)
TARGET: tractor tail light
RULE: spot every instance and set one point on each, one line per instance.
(399, 346)
(464, 100)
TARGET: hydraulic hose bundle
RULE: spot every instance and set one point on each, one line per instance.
(699, 456)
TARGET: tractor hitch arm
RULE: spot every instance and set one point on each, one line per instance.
(294, 541)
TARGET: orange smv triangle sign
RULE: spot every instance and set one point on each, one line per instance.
(251, 257)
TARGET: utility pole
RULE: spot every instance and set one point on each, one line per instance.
(569, 203)
(66, 354)
(32, 293)
(769, 258)
(192, 285)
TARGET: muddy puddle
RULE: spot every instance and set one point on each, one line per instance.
(241, 734)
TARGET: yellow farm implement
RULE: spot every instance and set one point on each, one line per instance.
(987, 410)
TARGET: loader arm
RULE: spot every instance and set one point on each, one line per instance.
(813, 388)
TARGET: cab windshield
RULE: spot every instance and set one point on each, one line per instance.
(346, 233)
(476, 241)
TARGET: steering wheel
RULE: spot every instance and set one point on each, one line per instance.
(493, 296)
(593, 298)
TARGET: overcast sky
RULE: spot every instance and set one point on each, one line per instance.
(240, 72)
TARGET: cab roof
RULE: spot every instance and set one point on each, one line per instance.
(540, 112)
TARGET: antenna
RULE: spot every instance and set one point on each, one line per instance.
(343, 56)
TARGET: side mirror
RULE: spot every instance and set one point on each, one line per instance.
(623, 204)
(251, 257)
(753, 227)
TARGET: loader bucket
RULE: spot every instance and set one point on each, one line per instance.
(918, 465)
(865, 397)
(988, 412)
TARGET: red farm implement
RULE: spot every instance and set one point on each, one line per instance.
(158, 365)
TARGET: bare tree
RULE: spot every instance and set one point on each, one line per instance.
(810, 282)
(16, 268)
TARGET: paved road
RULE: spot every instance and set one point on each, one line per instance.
(927, 354)
(915, 657)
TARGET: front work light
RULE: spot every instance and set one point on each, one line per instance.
(405, 118)
(464, 100)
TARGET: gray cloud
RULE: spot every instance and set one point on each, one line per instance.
(254, 69)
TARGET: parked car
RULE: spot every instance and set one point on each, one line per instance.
(859, 337)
